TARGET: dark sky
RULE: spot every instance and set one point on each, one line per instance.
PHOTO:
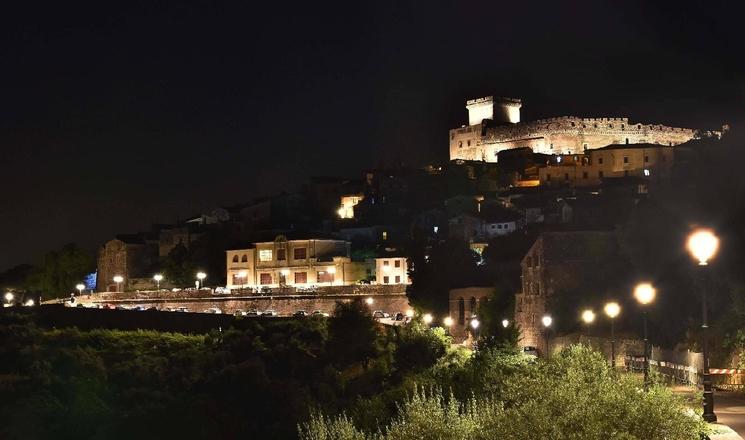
(113, 118)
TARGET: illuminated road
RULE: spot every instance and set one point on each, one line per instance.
(730, 410)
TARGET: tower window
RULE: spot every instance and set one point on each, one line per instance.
(626, 159)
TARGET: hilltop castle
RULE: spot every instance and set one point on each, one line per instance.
(494, 125)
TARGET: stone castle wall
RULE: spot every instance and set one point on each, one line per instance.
(562, 135)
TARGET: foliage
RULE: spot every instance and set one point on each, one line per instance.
(60, 271)
(573, 396)
(352, 331)
(418, 347)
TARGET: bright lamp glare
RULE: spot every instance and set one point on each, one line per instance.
(201, 275)
(9, 297)
(118, 279)
(644, 293)
(427, 318)
(703, 244)
(158, 277)
(369, 300)
(475, 323)
(505, 323)
(547, 321)
(612, 309)
(448, 321)
(588, 316)
(410, 313)
(80, 286)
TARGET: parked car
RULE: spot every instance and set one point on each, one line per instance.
(222, 290)
(379, 314)
(253, 312)
(320, 313)
(152, 309)
(270, 313)
(182, 309)
(239, 312)
(213, 310)
(300, 314)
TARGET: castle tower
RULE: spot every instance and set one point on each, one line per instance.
(499, 110)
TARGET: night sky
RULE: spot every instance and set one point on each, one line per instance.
(112, 118)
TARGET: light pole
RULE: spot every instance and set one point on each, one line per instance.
(547, 321)
(200, 277)
(80, 287)
(703, 244)
(158, 278)
(588, 317)
(475, 327)
(9, 298)
(118, 280)
(505, 323)
(644, 294)
(612, 309)
(448, 321)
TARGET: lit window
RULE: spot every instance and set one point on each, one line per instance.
(244, 259)
(301, 277)
(235, 258)
(265, 255)
(385, 235)
(646, 172)
(265, 278)
(299, 253)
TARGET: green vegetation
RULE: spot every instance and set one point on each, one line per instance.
(342, 377)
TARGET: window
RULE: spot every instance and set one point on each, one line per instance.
(398, 279)
(646, 159)
(600, 174)
(299, 253)
(566, 176)
(265, 278)
(627, 141)
(572, 124)
(301, 277)
(473, 305)
(639, 126)
(386, 279)
(281, 254)
(468, 142)
(548, 177)
(237, 279)
(625, 173)
(397, 263)
(235, 258)
(385, 235)
(265, 255)
(325, 277)
(461, 311)
(623, 127)
(584, 174)
(244, 259)
(452, 136)
(529, 262)
(600, 160)
(499, 226)
(386, 262)
(460, 144)
(626, 159)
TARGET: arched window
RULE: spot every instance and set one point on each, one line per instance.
(474, 306)
(235, 258)
(461, 311)
(244, 259)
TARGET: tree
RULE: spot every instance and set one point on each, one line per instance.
(353, 334)
(60, 271)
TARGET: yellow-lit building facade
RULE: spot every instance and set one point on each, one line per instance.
(348, 202)
(391, 270)
(298, 263)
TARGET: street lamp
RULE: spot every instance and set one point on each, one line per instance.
(475, 323)
(201, 276)
(612, 309)
(409, 313)
(30, 303)
(703, 244)
(427, 318)
(158, 278)
(588, 317)
(644, 294)
(80, 287)
(118, 280)
(9, 297)
(505, 323)
(547, 321)
(369, 300)
(448, 321)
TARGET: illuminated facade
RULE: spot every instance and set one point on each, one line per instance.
(391, 270)
(348, 202)
(299, 263)
(494, 125)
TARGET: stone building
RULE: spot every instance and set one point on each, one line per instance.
(392, 269)
(649, 161)
(299, 263)
(128, 256)
(463, 307)
(576, 263)
(494, 125)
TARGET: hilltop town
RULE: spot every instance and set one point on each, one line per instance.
(537, 204)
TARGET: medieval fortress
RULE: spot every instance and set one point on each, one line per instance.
(494, 125)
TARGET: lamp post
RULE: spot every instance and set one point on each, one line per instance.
(369, 301)
(427, 318)
(475, 323)
(612, 309)
(200, 279)
(80, 287)
(118, 280)
(9, 298)
(158, 278)
(505, 323)
(644, 294)
(547, 321)
(588, 317)
(703, 244)
(448, 321)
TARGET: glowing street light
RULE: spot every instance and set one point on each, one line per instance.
(475, 323)
(547, 321)
(448, 321)
(118, 280)
(409, 313)
(200, 277)
(612, 309)
(703, 245)
(369, 300)
(80, 287)
(9, 298)
(588, 317)
(644, 294)
(505, 323)
(427, 318)
(158, 278)
(29, 303)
